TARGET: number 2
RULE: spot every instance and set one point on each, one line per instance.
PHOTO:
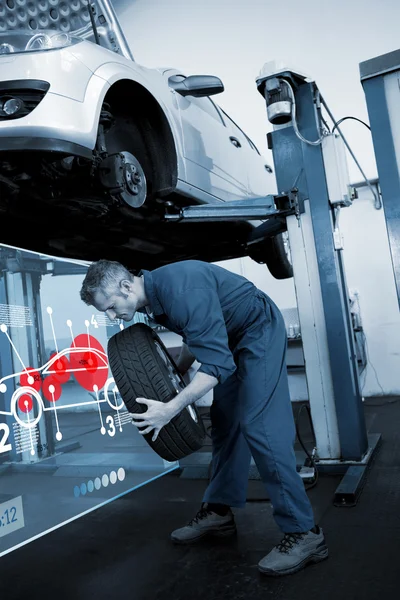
(3, 446)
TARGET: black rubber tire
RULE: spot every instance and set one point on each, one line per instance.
(272, 253)
(139, 371)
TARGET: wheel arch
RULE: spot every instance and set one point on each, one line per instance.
(130, 98)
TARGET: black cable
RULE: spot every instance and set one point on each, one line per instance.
(372, 366)
(344, 119)
(369, 362)
(310, 458)
(366, 403)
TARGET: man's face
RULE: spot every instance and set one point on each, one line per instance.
(119, 304)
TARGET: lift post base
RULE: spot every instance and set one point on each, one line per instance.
(348, 491)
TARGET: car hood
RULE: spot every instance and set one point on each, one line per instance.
(71, 17)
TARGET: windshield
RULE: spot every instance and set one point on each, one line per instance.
(66, 16)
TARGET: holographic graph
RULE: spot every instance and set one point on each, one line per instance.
(38, 390)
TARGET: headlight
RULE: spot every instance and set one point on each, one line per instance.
(15, 42)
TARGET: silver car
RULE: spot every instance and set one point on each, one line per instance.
(94, 148)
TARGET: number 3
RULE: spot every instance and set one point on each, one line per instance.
(3, 446)
(110, 421)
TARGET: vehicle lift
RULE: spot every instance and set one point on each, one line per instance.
(312, 178)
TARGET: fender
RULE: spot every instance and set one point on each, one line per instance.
(149, 80)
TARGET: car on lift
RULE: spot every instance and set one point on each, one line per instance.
(95, 148)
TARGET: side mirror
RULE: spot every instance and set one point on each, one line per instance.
(196, 85)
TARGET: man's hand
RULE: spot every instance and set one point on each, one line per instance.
(157, 415)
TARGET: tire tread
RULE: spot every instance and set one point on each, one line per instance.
(138, 371)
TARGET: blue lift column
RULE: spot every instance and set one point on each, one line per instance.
(380, 78)
(300, 153)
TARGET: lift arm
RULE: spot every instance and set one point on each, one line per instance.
(268, 207)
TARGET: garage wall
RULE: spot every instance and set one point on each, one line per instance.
(370, 273)
(370, 277)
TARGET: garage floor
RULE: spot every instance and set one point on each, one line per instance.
(123, 551)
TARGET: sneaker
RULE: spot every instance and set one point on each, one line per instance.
(205, 523)
(294, 552)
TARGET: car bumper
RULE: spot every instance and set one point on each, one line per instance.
(24, 144)
(66, 118)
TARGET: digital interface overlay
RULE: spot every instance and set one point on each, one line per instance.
(67, 442)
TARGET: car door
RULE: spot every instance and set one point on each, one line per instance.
(212, 161)
(261, 180)
(253, 167)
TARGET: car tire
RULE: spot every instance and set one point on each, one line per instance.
(142, 367)
(274, 252)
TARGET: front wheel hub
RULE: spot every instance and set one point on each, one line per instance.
(123, 175)
(133, 178)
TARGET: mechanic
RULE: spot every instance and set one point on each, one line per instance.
(238, 335)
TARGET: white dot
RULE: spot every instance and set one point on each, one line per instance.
(3, 328)
(59, 436)
(121, 326)
(113, 477)
(33, 452)
(97, 483)
(26, 403)
(31, 381)
(87, 323)
(95, 388)
(49, 310)
(104, 480)
(103, 431)
(69, 323)
(121, 474)
(52, 389)
(3, 388)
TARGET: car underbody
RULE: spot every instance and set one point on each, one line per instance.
(90, 170)
(40, 211)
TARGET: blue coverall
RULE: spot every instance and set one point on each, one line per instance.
(238, 335)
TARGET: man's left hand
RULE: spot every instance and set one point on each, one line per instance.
(157, 415)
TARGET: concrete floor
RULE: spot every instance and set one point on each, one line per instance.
(122, 550)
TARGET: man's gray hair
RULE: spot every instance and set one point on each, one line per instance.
(103, 276)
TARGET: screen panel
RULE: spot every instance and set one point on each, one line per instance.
(67, 443)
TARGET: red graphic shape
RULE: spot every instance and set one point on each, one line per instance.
(51, 380)
(25, 403)
(89, 368)
(60, 368)
(25, 379)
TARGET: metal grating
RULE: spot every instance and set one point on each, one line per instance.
(66, 16)
(33, 15)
